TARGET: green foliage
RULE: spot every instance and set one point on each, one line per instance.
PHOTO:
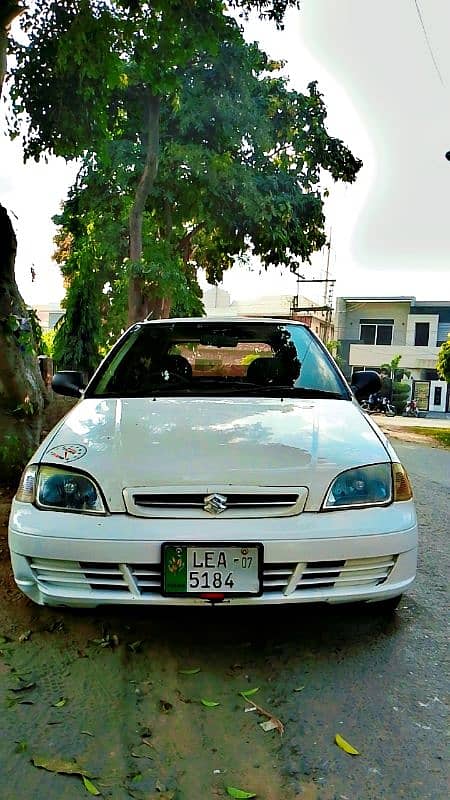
(394, 371)
(443, 361)
(400, 394)
(241, 154)
(76, 342)
(11, 455)
(36, 331)
(333, 346)
(48, 338)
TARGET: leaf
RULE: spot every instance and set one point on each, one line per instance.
(239, 794)
(209, 703)
(23, 687)
(269, 725)
(90, 787)
(346, 746)
(299, 689)
(249, 692)
(59, 765)
(87, 733)
(24, 637)
(193, 671)
(277, 722)
(135, 647)
(60, 703)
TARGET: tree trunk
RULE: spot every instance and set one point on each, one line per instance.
(138, 304)
(10, 10)
(22, 390)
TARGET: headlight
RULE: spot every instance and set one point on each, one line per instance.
(363, 486)
(50, 487)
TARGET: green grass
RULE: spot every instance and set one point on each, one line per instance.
(441, 434)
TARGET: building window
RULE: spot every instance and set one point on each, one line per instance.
(422, 334)
(437, 400)
(374, 333)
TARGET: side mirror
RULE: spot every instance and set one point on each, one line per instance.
(69, 383)
(365, 383)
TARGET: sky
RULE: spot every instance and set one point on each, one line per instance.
(386, 99)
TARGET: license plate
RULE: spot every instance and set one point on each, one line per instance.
(198, 569)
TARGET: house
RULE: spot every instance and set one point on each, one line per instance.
(374, 330)
(218, 303)
(49, 315)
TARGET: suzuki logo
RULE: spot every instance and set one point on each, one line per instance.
(215, 503)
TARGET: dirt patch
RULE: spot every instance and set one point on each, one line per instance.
(105, 689)
(407, 435)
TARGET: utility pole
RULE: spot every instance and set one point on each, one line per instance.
(328, 282)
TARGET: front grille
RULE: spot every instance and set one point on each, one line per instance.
(356, 572)
(198, 500)
(83, 578)
(182, 503)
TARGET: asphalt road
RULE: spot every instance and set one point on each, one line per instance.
(106, 690)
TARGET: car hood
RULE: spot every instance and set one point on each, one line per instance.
(212, 442)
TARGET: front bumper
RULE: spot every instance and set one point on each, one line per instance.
(67, 559)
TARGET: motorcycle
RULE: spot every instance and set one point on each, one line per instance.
(378, 405)
(411, 409)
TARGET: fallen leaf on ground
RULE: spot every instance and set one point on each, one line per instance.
(182, 697)
(87, 733)
(24, 637)
(299, 689)
(59, 765)
(268, 725)
(141, 751)
(249, 692)
(147, 743)
(192, 671)
(239, 794)
(23, 687)
(346, 746)
(110, 640)
(135, 646)
(264, 713)
(90, 787)
(60, 703)
(209, 703)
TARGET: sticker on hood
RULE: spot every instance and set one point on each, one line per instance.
(67, 452)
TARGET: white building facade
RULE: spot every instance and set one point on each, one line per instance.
(373, 331)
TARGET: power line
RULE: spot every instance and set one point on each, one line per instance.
(419, 14)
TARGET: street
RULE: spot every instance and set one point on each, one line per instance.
(119, 692)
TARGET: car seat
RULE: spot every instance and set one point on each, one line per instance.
(266, 370)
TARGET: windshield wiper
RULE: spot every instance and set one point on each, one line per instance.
(291, 391)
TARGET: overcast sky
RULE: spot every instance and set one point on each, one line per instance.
(390, 231)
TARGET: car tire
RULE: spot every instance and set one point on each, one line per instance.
(385, 606)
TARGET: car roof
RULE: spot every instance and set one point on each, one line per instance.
(224, 320)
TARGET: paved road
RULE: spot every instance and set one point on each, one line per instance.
(425, 462)
(378, 682)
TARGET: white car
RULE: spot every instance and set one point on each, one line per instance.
(214, 461)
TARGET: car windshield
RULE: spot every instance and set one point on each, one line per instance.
(221, 359)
